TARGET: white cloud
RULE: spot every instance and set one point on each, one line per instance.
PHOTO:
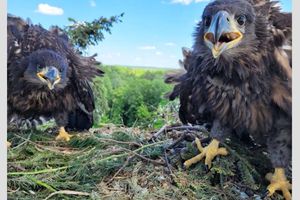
(278, 4)
(49, 10)
(147, 47)
(106, 55)
(187, 2)
(93, 3)
(158, 53)
(137, 59)
(109, 55)
(171, 44)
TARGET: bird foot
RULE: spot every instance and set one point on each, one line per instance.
(63, 135)
(210, 152)
(279, 182)
(8, 144)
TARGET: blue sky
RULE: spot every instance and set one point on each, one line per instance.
(151, 34)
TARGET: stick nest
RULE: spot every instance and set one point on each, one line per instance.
(129, 163)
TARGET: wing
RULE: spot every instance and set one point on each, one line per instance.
(83, 70)
(59, 32)
(16, 29)
(180, 75)
(280, 24)
(82, 117)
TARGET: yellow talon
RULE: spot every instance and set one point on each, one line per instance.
(63, 135)
(8, 144)
(210, 152)
(279, 182)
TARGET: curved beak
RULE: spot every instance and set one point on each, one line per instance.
(50, 75)
(222, 33)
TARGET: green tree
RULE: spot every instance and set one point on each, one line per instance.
(84, 34)
(134, 96)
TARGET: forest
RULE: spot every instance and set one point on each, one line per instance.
(133, 96)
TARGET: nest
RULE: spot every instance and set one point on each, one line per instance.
(129, 163)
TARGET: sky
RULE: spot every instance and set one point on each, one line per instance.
(151, 34)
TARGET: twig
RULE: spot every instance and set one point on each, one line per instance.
(55, 150)
(28, 139)
(186, 127)
(118, 142)
(45, 185)
(16, 166)
(9, 190)
(118, 172)
(166, 129)
(182, 137)
(166, 157)
(97, 161)
(124, 154)
(161, 197)
(168, 165)
(155, 162)
(130, 158)
(44, 171)
(68, 192)
(161, 130)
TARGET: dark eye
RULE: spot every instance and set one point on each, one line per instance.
(39, 67)
(241, 19)
(207, 21)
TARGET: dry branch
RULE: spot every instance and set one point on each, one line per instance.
(68, 192)
(166, 129)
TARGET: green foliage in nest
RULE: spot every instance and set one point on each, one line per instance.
(115, 163)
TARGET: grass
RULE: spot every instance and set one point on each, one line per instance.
(120, 163)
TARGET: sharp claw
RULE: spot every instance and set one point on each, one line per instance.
(279, 182)
(270, 192)
(265, 194)
(286, 193)
(63, 135)
(184, 167)
(210, 152)
(208, 160)
(207, 168)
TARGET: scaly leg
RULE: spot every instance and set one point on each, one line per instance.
(63, 135)
(279, 182)
(210, 152)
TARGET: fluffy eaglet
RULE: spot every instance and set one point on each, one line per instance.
(238, 77)
(48, 78)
